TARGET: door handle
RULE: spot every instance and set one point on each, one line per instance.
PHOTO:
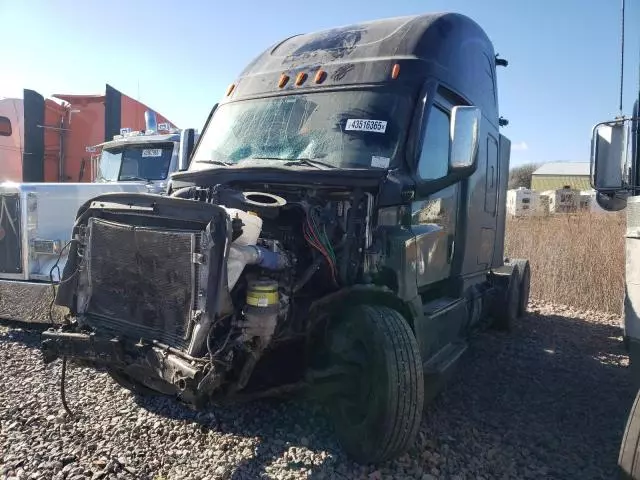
(451, 247)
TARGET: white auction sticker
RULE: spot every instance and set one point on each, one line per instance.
(380, 162)
(363, 125)
(152, 152)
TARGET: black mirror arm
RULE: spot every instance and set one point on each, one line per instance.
(427, 187)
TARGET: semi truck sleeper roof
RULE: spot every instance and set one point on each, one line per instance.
(398, 51)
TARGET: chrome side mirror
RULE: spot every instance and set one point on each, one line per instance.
(609, 155)
(611, 173)
(465, 126)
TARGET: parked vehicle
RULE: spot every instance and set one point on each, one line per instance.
(615, 157)
(340, 230)
(148, 156)
(53, 139)
(36, 219)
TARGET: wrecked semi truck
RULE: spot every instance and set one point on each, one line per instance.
(340, 230)
(36, 219)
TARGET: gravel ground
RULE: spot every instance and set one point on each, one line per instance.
(548, 400)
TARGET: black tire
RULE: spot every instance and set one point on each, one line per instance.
(525, 285)
(378, 407)
(629, 456)
(506, 306)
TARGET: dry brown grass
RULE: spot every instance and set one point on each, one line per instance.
(576, 260)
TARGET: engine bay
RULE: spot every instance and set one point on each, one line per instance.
(196, 313)
(290, 247)
(298, 244)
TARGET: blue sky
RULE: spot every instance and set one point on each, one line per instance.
(563, 73)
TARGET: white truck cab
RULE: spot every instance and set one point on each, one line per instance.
(148, 157)
(36, 219)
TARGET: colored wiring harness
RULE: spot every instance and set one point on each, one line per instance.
(316, 235)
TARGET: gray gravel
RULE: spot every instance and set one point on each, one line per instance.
(548, 400)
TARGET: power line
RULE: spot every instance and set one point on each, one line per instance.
(621, 55)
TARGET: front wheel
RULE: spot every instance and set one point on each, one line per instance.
(629, 455)
(524, 268)
(507, 303)
(377, 406)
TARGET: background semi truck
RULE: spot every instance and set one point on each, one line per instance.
(615, 160)
(340, 230)
(615, 175)
(36, 219)
(149, 156)
(53, 139)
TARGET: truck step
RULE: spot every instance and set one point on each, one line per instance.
(436, 306)
(443, 361)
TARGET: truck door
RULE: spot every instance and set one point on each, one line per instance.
(488, 220)
(434, 216)
(491, 188)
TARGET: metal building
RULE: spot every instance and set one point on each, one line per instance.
(557, 175)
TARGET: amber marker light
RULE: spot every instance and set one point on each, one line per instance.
(395, 71)
(300, 78)
(283, 80)
(320, 76)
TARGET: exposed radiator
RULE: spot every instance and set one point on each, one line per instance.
(141, 280)
(10, 230)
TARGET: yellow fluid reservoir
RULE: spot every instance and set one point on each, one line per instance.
(262, 293)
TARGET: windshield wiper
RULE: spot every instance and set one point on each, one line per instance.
(140, 179)
(215, 162)
(313, 163)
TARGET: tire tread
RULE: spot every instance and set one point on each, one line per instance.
(629, 458)
(405, 367)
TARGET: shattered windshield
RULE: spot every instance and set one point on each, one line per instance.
(149, 161)
(346, 129)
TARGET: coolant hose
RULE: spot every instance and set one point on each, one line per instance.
(242, 255)
(256, 255)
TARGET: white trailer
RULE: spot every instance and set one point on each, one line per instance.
(588, 199)
(563, 200)
(523, 202)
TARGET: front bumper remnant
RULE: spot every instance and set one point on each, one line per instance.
(81, 346)
(152, 365)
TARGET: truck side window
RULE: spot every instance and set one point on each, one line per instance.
(434, 156)
(5, 127)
